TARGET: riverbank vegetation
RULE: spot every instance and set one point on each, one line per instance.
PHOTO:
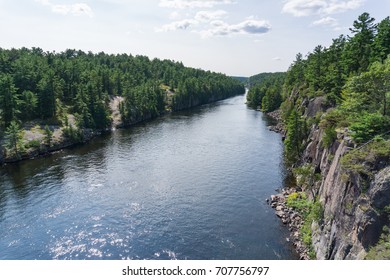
(340, 92)
(68, 94)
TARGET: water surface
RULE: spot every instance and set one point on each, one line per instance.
(191, 185)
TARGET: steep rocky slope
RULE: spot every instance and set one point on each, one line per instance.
(353, 201)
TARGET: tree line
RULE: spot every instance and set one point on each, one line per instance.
(266, 91)
(353, 75)
(348, 85)
(47, 87)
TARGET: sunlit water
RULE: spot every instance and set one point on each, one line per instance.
(191, 185)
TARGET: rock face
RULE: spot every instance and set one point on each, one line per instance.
(353, 206)
(353, 219)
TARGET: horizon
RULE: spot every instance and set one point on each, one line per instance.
(239, 39)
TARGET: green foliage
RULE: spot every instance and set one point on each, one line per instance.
(8, 99)
(47, 85)
(333, 118)
(367, 126)
(265, 91)
(306, 177)
(33, 144)
(14, 139)
(353, 74)
(330, 135)
(369, 91)
(28, 105)
(359, 51)
(295, 135)
(48, 135)
(381, 251)
(363, 160)
(382, 40)
(310, 211)
(299, 202)
(72, 134)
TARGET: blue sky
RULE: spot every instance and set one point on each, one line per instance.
(236, 37)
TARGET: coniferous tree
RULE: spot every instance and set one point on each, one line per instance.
(358, 54)
(8, 99)
(14, 137)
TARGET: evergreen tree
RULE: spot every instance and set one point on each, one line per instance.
(359, 52)
(293, 142)
(48, 135)
(50, 88)
(14, 137)
(382, 40)
(28, 105)
(8, 99)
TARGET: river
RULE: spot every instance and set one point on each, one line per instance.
(189, 185)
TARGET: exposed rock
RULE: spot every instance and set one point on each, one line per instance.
(315, 105)
(291, 219)
(351, 222)
(353, 217)
(380, 191)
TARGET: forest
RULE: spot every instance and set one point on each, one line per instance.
(266, 91)
(334, 105)
(352, 75)
(69, 93)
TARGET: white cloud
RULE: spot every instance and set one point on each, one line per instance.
(177, 25)
(300, 8)
(174, 15)
(77, 9)
(327, 21)
(208, 16)
(342, 6)
(249, 26)
(185, 4)
(277, 58)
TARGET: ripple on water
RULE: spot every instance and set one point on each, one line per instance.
(189, 185)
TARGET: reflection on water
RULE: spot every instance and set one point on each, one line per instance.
(190, 185)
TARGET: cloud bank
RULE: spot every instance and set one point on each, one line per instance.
(207, 21)
(250, 26)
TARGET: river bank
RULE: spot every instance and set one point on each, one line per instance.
(35, 143)
(291, 218)
(182, 186)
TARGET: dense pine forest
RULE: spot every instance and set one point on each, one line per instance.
(352, 75)
(47, 98)
(266, 91)
(334, 103)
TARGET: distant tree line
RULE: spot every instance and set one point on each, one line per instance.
(48, 86)
(266, 91)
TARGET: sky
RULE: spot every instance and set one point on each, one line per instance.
(235, 37)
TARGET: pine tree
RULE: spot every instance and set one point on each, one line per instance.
(8, 99)
(14, 139)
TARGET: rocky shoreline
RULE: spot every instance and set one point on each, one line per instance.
(45, 150)
(292, 219)
(278, 127)
(289, 217)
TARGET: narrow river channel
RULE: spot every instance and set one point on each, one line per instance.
(190, 185)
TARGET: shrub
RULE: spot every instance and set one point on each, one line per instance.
(330, 136)
(363, 160)
(381, 251)
(367, 126)
(35, 143)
